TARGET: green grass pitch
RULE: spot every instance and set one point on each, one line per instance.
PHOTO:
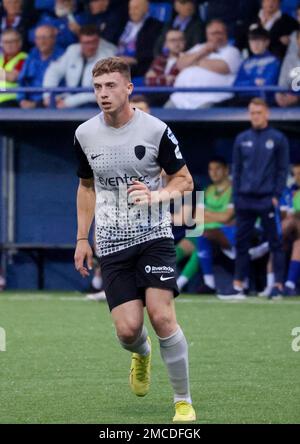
(63, 364)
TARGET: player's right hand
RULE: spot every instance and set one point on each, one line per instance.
(83, 258)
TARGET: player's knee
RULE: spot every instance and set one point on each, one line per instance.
(161, 320)
(127, 332)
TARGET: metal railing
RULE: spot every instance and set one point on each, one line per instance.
(259, 91)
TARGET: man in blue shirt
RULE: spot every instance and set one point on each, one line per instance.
(65, 19)
(260, 167)
(36, 64)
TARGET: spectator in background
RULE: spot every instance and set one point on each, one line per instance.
(138, 38)
(260, 166)
(288, 75)
(214, 63)
(36, 64)
(11, 61)
(260, 69)
(293, 45)
(109, 20)
(163, 70)
(279, 25)
(186, 20)
(65, 20)
(236, 14)
(19, 15)
(140, 101)
(75, 68)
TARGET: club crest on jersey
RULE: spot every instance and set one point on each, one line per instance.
(139, 151)
(172, 137)
(270, 144)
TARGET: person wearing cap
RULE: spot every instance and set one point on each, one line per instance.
(259, 69)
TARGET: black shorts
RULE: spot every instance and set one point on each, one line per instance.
(126, 274)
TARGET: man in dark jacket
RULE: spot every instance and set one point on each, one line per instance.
(260, 167)
(186, 19)
(138, 38)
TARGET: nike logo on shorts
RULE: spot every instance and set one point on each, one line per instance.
(162, 278)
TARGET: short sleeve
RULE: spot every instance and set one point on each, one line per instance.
(231, 56)
(169, 156)
(84, 170)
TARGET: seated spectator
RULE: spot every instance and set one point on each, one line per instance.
(109, 20)
(139, 101)
(64, 20)
(75, 68)
(279, 25)
(138, 38)
(214, 63)
(288, 75)
(218, 228)
(163, 70)
(19, 15)
(260, 69)
(186, 20)
(11, 61)
(36, 64)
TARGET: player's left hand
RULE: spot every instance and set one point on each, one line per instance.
(140, 194)
(275, 202)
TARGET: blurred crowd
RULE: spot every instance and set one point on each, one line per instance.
(181, 43)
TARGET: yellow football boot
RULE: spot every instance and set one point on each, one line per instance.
(184, 412)
(139, 377)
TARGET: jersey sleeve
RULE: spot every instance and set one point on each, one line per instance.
(169, 156)
(84, 171)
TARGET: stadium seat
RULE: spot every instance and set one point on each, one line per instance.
(44, 5)
(289, 7)
(161, 11)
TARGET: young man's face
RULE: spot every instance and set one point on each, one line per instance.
(217, 172)
(112, 91)
(259, 46)
(259, 115)
(175, 42)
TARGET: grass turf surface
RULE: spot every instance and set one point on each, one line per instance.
(63, 364)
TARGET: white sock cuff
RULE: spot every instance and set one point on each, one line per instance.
(173, 339)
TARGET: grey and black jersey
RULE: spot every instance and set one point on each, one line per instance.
(115, 157)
